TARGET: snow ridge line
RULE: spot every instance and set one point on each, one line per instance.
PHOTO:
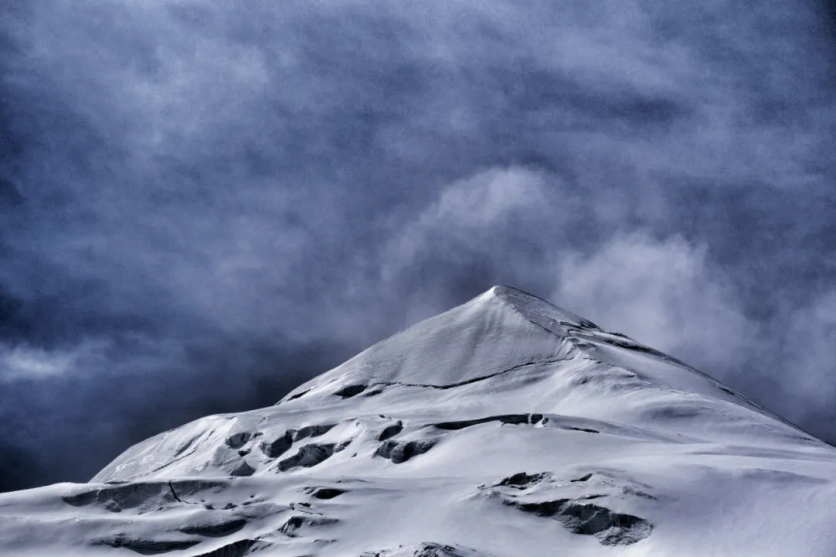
(469, 381)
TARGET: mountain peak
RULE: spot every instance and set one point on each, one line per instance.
(505, 426)
(495, 330)
(537, 310)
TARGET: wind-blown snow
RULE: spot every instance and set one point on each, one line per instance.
(503, 427)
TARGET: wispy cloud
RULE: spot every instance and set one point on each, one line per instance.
(225, 198)
(664, 294)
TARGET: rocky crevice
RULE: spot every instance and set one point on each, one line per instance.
(534, 494)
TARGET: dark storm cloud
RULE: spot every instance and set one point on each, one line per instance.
(203, 204)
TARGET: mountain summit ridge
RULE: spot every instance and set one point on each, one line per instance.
(536, 309)
(494, 329)
(505, 426)
(495, 321)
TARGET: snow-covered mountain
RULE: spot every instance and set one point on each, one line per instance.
(505, 427)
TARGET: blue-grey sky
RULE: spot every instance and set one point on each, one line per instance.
(204, 203)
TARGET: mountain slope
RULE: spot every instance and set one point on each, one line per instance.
(503, 427)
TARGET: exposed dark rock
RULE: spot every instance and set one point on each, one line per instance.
(390, 431)
(312, 431)
(133, 495)
(515, 419)
(342, 446)
(399, 452)
(522, 479)
(278, 446)
(546, 509)
(630, 344)
(351, 390)
(436, 550)
(297, 522)
(424, 549)
(242, 469)
(183, 447)
(218, 529)
(238, 440)
(583, 429)
(307, 456)
(298, 395)
(325, 492)
(146, 547)
(611, 528)
(235, 549)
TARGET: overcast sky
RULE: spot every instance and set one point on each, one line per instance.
(204, 203)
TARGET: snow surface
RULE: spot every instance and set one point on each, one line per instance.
(504, 427)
